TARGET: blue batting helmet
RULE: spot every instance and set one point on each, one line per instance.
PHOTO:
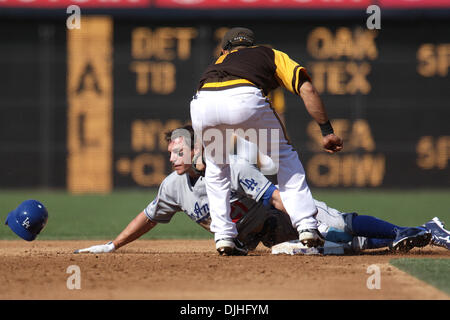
(28, 219)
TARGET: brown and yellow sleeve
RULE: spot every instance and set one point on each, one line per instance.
(289, 73)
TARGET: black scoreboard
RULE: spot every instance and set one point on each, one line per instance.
(87, 108)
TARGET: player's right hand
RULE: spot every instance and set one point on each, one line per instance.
(332, 143)
(102, 248)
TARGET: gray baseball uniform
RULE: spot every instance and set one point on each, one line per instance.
(254, 221)
(177, 193)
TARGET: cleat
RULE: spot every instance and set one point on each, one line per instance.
(231, 247)
(311, 238)
(358, 244)
(409, 238)
(440, 236)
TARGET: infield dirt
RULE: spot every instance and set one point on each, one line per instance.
(192, 269)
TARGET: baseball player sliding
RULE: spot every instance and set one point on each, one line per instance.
(258, 211)
(232, 95)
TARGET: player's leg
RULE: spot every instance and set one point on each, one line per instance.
(363, 243)
(294, 190)
(295, 193)
(205, 118)
(403, 238)
(372, 227)
(400, 238)
(217, 178)
(218, 189)
(213, 114)
(356, 224)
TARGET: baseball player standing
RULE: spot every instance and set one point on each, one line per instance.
(232, 95)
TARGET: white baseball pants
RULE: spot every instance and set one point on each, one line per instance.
(212, 113)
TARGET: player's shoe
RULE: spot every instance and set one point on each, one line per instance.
(311, 238)
(231, 247)
(440, 236)
(357, 244)
(409, 238)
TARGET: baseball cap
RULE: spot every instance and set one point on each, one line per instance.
(238, 36)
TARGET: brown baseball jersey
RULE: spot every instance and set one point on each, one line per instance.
(258, 66)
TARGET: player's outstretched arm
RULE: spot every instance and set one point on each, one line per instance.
(314, 105)
(136, 228)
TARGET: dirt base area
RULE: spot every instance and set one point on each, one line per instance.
(192, 270)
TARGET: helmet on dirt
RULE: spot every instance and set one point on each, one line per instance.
(28, 219)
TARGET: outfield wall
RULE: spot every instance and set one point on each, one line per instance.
(86, 109)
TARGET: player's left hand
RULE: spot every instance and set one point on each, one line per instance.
(332, 143)
(102, 248)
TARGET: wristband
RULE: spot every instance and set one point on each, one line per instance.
(326, 128)
(268, 195)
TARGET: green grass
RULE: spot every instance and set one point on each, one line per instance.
(95, 216)
(433, 271)
(104, 216)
